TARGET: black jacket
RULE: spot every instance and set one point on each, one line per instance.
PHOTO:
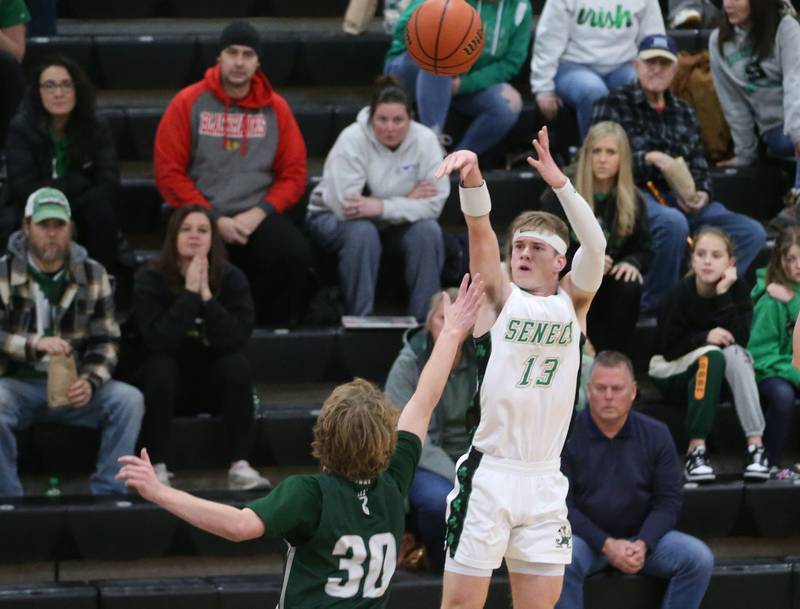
(29, 159)
(167, 319)
(633, 249)
(686, 317)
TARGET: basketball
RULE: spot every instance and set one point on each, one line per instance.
(444, 37)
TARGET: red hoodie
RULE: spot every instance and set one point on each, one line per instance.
(230, 154)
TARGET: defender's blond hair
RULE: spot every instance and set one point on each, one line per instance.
(537, 221)
(625, 216)
(355, 434)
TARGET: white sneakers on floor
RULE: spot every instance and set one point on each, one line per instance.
(163, 474)
(242, 477)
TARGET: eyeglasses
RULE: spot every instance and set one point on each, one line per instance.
(50, 86)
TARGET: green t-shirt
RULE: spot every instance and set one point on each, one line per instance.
(343, 536)
(13, 12)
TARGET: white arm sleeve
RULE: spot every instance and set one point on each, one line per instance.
(589, 260)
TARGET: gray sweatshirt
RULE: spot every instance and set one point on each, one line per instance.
(763, 94)
(597, 33)
(359, 160)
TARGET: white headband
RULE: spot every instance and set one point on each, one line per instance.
(551, 239)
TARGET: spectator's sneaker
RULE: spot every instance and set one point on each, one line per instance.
(242, 477)
(162, 474)
(698, 468)
(756, 464)
(782, 474)
(687, 19)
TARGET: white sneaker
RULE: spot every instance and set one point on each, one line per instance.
(686, 19)
(242, 477)
(162, 474)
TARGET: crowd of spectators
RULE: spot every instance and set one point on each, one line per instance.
(231, 164)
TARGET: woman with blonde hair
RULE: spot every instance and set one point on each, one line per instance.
(604, 178)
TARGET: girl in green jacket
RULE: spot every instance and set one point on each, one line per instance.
(776, 300)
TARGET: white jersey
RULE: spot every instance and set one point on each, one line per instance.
(527, 386)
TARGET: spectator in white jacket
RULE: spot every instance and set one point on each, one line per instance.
(755, 62)
(378, 191)
(584, 49)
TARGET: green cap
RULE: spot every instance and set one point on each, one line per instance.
(47, 203)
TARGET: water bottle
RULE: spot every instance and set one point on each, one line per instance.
(391, 13)
(53, 489)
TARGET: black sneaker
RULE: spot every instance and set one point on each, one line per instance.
(756, 464)
(698, 468)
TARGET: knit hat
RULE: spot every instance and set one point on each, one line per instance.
(241, 33)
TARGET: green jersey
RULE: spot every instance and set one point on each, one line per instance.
(342, 535)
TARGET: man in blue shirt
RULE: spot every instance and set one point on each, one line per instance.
(625, 494)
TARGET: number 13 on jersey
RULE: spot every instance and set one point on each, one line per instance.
(538, 375)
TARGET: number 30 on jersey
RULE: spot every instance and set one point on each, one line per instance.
(382, 561)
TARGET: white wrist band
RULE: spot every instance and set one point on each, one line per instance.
(475, 201)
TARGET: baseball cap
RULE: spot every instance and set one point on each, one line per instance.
(46, 204)
(658, 45)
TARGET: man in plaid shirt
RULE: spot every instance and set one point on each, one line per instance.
(55, 300)
(661, 128)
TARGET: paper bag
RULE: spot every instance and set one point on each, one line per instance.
(358, 16)
(61, 375)
(680, 180)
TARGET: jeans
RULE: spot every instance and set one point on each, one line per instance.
(580, 86)
(428, 499)
(358, 243)
(684, 560)
(495, 109)
(779, 144)
(669, 228)
(116, 409)
(778, 397)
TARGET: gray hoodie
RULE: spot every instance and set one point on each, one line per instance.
(358, 160)
(447, 434)
(763, 94)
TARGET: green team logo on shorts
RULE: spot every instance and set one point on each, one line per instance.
(564, 537)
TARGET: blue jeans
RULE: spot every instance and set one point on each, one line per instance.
(428, 499)
(669, 228)
(779, 144)
(580, 87)
(116, 409)
(495, 109)
(358, 243)
(682, 559)
(778, 399)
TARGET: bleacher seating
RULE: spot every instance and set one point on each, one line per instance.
(138, 66)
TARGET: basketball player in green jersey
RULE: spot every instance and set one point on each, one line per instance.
(344, 525)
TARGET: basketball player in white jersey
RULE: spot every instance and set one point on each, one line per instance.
(509, 499)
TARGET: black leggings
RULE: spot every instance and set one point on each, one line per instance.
(196, 381)
(613, 314)
(276, 260)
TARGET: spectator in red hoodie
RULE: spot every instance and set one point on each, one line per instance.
(230, 143)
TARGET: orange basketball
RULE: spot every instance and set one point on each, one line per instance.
(444, 37)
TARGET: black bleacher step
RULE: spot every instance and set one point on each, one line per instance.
(193, 9)
(775, 508)
(43, 595)
(711, 511)
(30, 529)
(750, 583)
(178, 593)
(246, 592)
